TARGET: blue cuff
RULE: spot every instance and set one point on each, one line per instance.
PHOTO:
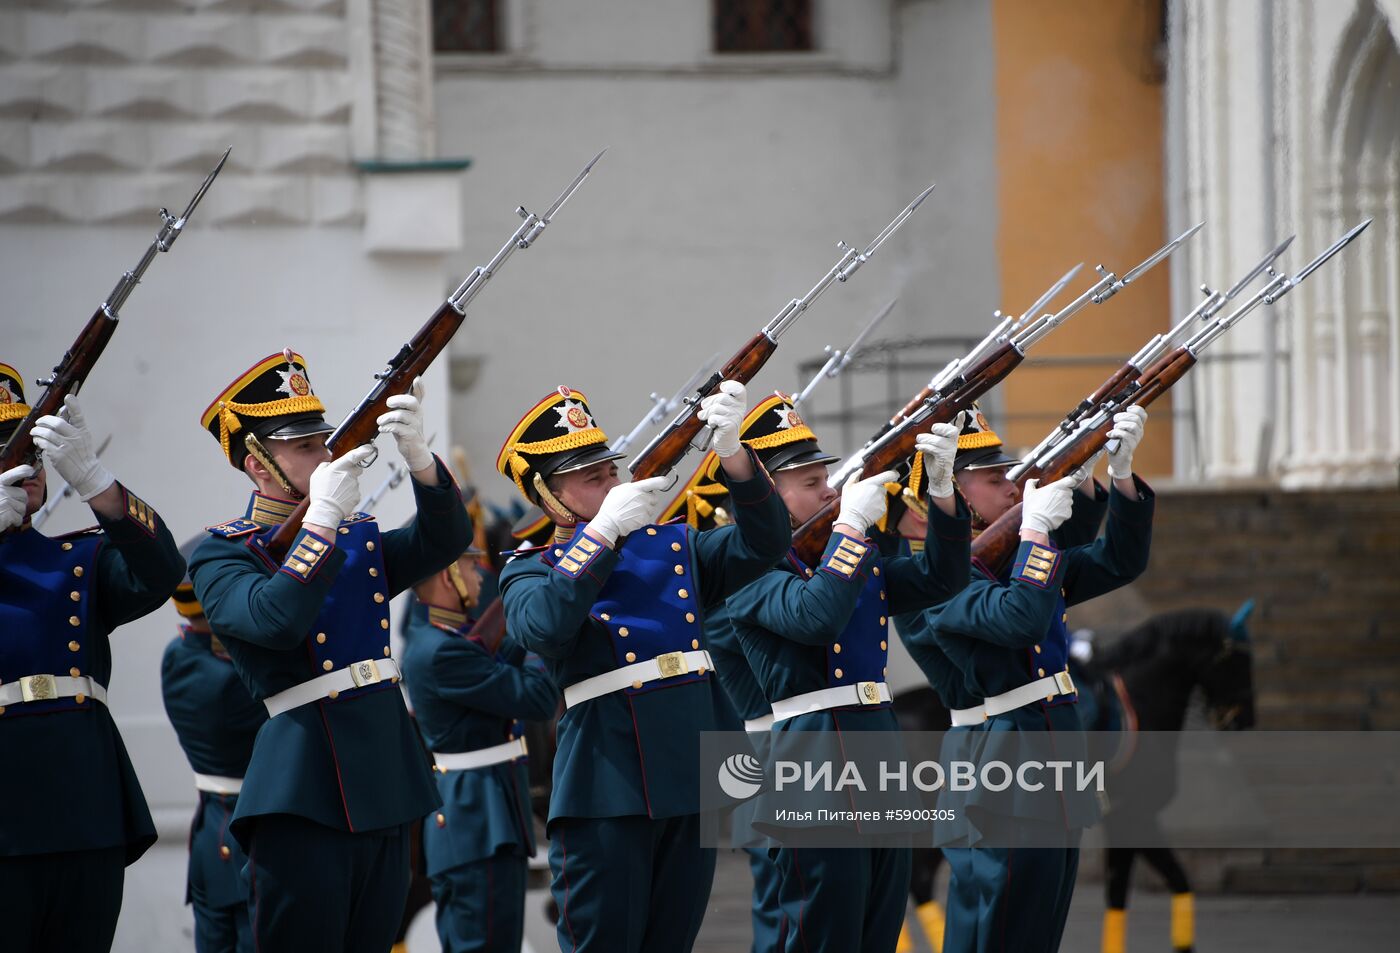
(307, 554)
(1036, 564)
(846, 555)
(584, 552)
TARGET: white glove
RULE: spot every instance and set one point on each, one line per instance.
(1044, 508)
(335, 488)
(724, 413)
(939, 446)
(67, 444)
(13, 497)
(404, 422)
(863, 501)
(628, 507)
(1127, 429)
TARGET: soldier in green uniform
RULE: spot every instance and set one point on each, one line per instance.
(216, 722)
(1007, 636)
(467, 696)
(337, 774)
(617, 613)
(72, 815)
(816, 639)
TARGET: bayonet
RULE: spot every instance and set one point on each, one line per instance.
(661, 407)
(837, 359)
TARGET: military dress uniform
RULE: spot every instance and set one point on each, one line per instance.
(704, 504)
(72, 815)
(477, 846)
(216, 722)
(337, 773)
(816, 639)
(622, 634)
(1007, 636)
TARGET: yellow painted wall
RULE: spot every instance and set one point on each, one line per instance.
(1080, 126)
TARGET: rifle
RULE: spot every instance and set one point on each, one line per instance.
(661, 407)
(837, 360)
(994, 546)
(413, 359)
(391, 481)
(955, 389)
(668, 447)
(60, 492)
(80, 358)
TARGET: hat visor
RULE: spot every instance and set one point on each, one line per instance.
(304, 426)
(578, 460)
(798, 455)
(986, 458)
(531, 523)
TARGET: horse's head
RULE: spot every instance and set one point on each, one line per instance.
(1227, 680)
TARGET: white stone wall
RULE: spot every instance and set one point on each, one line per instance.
(1286, 118)
(727, 182)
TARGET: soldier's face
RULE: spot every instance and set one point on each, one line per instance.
(299, 457)
(988, 492)
(470, 569)
(804, 491)
(582, 491)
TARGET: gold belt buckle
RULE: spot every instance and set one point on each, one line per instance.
(1064, 683)
(37, 688)
(672, 664)
(364, 673)
(869, 692)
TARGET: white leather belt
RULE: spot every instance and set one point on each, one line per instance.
(962, 717)
(638, 673)
(42, 688)
(842, 696)
(368, 672)
(1042, 688)
(758, 724)
(215, 784)
(480, 758)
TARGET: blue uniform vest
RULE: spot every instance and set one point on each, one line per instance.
(1051, 653)
(45, 604)
(650, 604)
(862, 652)
(353, 624)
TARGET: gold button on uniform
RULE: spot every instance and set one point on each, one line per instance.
(695, 643)
(558, 553)
(683, 593)
(80, 698)
(2, 709)
(373, 573)
(78, 571)
(637, 684)
(884, 645)
(75, 595)
(333, 696)
(680, 570)
(328, 665)
(690, 617)
(605, 617)
(622, 631)
(836, 648)
(441, 819)
(883, 620)
(67, 546)
(1040, 672)
(386, 651)
(379, 597)
(344, 531)
(676, 547)
(876, 570)
(74, 620)
(1037, 650)
(882, 595)
(384, 623)
(631, 656)
(320, 638)
(370, 545)
(73, 646)
(651, 531)
(838, 673)
(74, 672)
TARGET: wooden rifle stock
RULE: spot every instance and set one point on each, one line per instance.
(810, 539)
(668, 447)
(491, 627)
(67, 378)
(994, 546)
(360, 427)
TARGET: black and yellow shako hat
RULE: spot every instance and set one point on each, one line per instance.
(979, 447)
(557, 435)
(12, 406)
(775, 432)
(704, 499)
(272, 400)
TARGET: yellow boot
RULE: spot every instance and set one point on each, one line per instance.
(906, 940)
(1115, 931)
(931, 918)
(1183, 922)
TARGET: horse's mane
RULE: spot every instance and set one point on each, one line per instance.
(1178, 632)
